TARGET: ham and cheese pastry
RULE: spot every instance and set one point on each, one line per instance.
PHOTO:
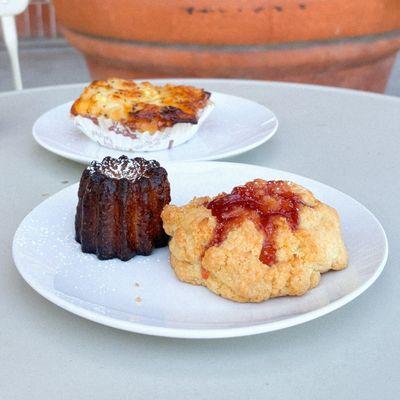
(126, 115)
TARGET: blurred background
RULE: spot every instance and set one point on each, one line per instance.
(343, 43)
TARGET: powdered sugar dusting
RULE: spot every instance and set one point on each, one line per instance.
(123, 167)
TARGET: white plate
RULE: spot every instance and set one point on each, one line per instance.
(50, 260)
(235, 125)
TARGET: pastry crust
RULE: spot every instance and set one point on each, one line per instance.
(232, 269)
(141, 107)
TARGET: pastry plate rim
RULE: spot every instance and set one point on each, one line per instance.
(207, 333)
(224, 154)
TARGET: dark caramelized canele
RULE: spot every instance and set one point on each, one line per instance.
(119, 207)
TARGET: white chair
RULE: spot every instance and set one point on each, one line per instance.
(8, 10)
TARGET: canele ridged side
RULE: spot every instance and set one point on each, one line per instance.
(121, 218)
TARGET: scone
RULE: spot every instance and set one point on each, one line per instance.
(126, 115)
(262, 240)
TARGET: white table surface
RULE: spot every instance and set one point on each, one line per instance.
(349, 140)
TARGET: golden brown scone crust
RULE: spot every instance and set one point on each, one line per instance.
(233, 269)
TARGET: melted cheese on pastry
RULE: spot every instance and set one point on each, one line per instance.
(141, 106)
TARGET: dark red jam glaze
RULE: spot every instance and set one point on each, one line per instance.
(260, 201)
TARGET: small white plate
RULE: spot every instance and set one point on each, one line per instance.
(235, 125)
(50, 260)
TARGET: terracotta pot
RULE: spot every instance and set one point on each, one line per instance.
(336, 42)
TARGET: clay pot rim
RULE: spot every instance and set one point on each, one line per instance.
(120, 53)
(244, 48)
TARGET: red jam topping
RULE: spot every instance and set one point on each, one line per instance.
(204, 273)
(261, 202)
